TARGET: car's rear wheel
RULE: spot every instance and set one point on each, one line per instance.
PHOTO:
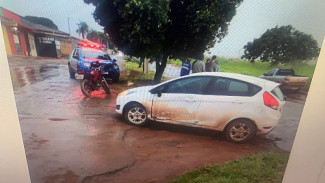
(240, 130)
(72, 74)
(136, 114)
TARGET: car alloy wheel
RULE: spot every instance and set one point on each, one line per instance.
(240, 131)
(136, 114)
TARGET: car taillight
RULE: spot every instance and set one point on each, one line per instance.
(270, 101)
(286, 79)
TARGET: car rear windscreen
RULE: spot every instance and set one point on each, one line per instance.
(278, 93)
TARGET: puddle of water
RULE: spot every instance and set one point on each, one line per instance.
(24, 76)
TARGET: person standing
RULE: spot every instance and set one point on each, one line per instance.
(210, 66)
(215, 64)
(218, 67)
(186, 67)
(198, 65)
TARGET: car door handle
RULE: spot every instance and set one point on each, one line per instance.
(238, 101)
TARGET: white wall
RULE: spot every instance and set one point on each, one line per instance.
(13, 164)
(307, 158)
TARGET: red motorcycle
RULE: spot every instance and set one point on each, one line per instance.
(94, 80)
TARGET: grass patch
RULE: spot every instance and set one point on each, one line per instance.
(134, 73)
(262, 168)
(257, 68)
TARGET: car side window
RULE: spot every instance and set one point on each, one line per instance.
(270, 73)
(76, 53)
(285, 72)
(191, 85)
(232, 87)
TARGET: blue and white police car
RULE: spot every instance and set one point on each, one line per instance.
(88, 52)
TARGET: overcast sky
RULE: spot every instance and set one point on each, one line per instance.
(253, 18)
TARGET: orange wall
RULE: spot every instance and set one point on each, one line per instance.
(23, 43)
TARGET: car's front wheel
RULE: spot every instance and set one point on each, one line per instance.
(240, 130)
(136, 114)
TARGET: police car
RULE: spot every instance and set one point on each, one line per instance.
(88, 52)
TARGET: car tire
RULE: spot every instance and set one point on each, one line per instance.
(72, 74)
(240, 131)
(136, 114)
(116, 78)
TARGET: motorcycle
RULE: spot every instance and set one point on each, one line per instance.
(94, 80)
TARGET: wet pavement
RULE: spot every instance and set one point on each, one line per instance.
(70, 138)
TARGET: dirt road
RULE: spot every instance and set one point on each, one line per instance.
(69, 138)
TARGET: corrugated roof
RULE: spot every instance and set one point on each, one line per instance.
(37, 27)
(41, 28)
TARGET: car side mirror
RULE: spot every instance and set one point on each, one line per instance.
(285, 98)
(159, 93)
(114, 60)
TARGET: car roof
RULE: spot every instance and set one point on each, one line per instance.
(268, 85)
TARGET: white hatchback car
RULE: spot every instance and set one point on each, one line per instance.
(241, 106)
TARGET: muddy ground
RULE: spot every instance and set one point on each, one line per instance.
(70, 138)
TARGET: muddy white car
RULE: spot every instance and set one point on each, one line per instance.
(241, 106)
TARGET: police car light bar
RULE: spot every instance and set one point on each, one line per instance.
(91, 45)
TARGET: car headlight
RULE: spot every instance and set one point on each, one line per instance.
(126, 92)
(115, 66)
(87, 64)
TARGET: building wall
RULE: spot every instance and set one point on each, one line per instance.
(23, 43)
(10, 15)
(11, 41)
(5, 36)
(66, 48)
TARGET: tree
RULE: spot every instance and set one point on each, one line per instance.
(42, 21)
(158, 29)
(282, 45)
(83, 29)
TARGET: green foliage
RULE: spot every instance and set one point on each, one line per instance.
(94, 36)
(258, 68)
(83, 29)
(42, 21)
(134, 73)
(282, 45)
(159, 29)
(264, 167)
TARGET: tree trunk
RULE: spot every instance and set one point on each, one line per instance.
(141, 62)
(160, 68)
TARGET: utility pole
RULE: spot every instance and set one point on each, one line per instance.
(69, 26)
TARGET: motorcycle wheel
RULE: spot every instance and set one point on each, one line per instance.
(85, 87)
(106, 89)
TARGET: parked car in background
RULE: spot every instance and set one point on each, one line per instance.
(287, 79)
(241, 106)
(86, 53)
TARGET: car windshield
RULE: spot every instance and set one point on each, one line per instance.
(95, 54)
